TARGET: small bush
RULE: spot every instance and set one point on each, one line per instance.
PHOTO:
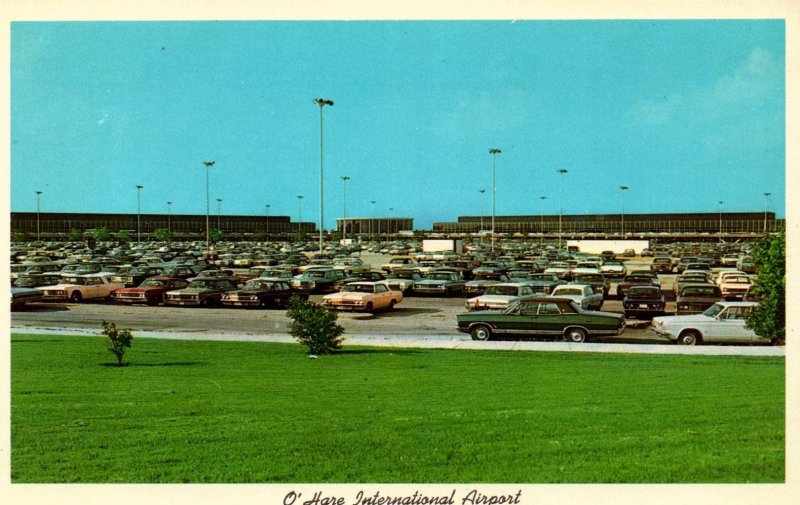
(314, 326)
(119, 340)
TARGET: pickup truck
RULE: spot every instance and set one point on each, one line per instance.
(582, 294)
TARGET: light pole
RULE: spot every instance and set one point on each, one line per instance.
(219, 214)
(39, 229)
(720, 220)
(766, 200)
(169, 221)
(541, 216)
(322, 102)
(372, 220)
(389, 230)
(138, 213)
(622, 220)
(481, 191)
(267, 206)
(494, 151)
(299, 210)
(561, 172)
(345, 178)
(208, 164)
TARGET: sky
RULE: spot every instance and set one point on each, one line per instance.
(684, 113)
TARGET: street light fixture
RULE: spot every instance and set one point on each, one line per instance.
(766, 200)
(38, 221)
(322, 102)
(208, 164)
(219, 213)
(372, 220)
(169, 221)
(720, 220)
(623, 188)
(481, 191)
(541, 216)
(138, 213)
(267, 206)
(494, 151)
(344, 178)
(561, 172)
(299, 210)
(389, 230)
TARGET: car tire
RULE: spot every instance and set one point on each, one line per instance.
(369, 307)
(481, 332)
(391, 305)
(575, 335)
(76, 297)
(689, 337)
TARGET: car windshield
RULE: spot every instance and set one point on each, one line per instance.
(202, 284)
(25, 282)
(315, 274)
(75, 280)
(257, 285)
(402, 275)
(544, 277)
(358, 288)
(151, 284)
(699, 291)
(570, 291)
(639, 278)
(441, 276)
(588, 278)
(644, 293)
(502, 290)
(737, 280)
(488, 276)
(713, 310)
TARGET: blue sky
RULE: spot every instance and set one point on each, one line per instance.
(684, 113)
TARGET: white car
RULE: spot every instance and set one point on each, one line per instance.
(80, 287)
(586, 267)
(735, 286)
(498, 296)
(613, 268)
(722, 322)
(582, 294)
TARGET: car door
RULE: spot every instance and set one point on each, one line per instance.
(520, 321)
(730, 326)
(92, 288)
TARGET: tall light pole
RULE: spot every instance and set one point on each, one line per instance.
(481, 191)
(561, 172)
(372, 220)
(169, 221)
(39, 229)
(494, 151)
(344, 178)
(622, 220)
(391, 209)
(139, 213)
(267, 206)
(720, 220)
(322, 102)
(299, 210)
(766, 200)
(541, 216)
(208, 165)
(219, 214)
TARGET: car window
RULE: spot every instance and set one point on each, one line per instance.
(528, 309)
(549, 309)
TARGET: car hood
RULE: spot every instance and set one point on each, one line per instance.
(691, 318)
(493, 298)
(191, 291)
(346, 296)
(431, 282)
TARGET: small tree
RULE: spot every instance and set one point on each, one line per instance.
(214, 236)
(162, 234)
(123, 236)
(101, 234)
(314, 326)
(119, 340)
(75, 235)
(768, 319)
(19, 236)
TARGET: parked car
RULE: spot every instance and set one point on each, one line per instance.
(359, 275)
(181, 272)
(402, 280)
(696, 298)
(746, 265)
(150, 291)
(559, 268)
(541, 317)
(483, 279)
(685, 279)
(317, 280)
(661, 265)
(442, 283)
(136, 275)
(498, 296)
(32, 281)
(644, 302)
(260, 292)
(21, 296)
(613, 268)
(363, 297)
(683, 262)
(80, 287)
(723, 322)
(544, 283)
(629, 253)
(582, 294)
(734, 287)
(399, 262)
(631, 280)
(598, 282)
(205, 292)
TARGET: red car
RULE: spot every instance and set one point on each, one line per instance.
(150, 291)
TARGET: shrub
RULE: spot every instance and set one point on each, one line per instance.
(119, 340)
(768, 319)
(314, 326)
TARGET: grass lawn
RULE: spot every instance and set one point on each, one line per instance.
(195, 411)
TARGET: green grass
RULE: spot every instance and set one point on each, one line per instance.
(194, 411)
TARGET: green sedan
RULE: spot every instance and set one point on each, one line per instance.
(541, 317)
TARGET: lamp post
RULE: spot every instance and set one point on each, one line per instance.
(622, 220)
(208, 165)
(561, 172)
(169, 221)
(372, 220)
(138, 213)
(494, 151)
(267, 206)
(481, 191)
(299, 210)
(322, 102)
(541, 216)
(766, 200)
(720, 220)
(389, 230)
(39, 229)
(344, 178)
(219, 214)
